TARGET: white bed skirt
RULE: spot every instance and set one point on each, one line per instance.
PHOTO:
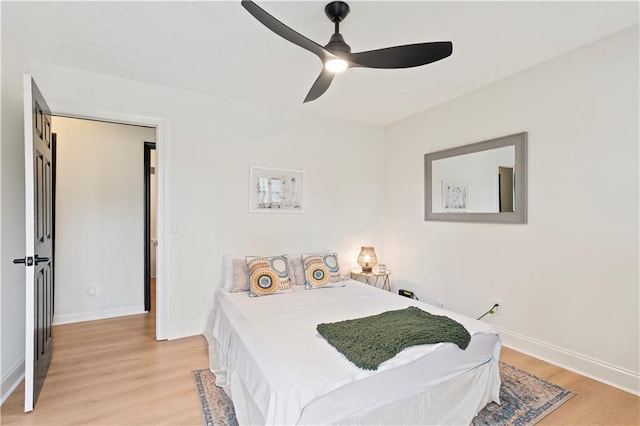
(445, 403)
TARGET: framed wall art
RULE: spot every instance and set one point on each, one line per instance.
(275, 190)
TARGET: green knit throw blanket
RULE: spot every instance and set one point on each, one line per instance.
(369, 341)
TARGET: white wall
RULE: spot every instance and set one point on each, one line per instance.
(568, 280)
(12, 277)
(99, 219)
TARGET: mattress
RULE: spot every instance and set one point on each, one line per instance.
(268, 356)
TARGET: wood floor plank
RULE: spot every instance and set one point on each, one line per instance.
(594, 404)
(113, 372)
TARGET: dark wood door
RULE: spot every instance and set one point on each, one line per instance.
(39, 143)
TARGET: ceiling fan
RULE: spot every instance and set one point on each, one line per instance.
(336, 55)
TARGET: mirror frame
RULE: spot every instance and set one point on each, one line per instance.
(519, 140)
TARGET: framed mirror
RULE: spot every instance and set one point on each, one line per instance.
(480, 182)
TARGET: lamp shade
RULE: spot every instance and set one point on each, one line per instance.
(367, 258)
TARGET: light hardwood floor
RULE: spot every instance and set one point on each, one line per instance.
(113, 372)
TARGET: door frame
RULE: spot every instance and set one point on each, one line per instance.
(162, 200)
(148, 146)
(54, 171)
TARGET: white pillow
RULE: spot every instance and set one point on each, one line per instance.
(227, 270)
(296, 270)
(241, 278)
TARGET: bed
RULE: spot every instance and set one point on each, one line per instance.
(267, 355)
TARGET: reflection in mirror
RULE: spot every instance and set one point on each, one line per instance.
(506, 195)
(478, 181)
(481, 182)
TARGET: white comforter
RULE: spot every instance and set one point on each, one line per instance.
(272, 345)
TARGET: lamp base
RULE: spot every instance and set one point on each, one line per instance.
(367, 269)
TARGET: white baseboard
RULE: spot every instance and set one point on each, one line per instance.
(612, 375)
(185, 330)
(91, 316)
(12, 379)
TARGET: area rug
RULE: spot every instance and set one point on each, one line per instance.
(525, 400)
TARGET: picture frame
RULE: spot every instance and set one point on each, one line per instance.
(273, 190)
(455, 196)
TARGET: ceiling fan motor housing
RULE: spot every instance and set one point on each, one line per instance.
(337, 44)
(336, 11)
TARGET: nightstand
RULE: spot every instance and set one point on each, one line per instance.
(371, 278)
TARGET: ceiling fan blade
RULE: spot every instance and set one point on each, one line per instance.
(320, 86)
(407, 56)
(283, 31)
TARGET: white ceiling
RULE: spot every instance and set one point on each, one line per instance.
(218, 48)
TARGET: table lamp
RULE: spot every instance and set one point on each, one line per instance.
(367, 259)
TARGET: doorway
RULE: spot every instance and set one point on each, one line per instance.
(100, 261)
(505, 189)
(160, 125)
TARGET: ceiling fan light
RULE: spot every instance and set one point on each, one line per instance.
(336, 65)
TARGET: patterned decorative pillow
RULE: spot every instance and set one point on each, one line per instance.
(268, 275)
(321, 270)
